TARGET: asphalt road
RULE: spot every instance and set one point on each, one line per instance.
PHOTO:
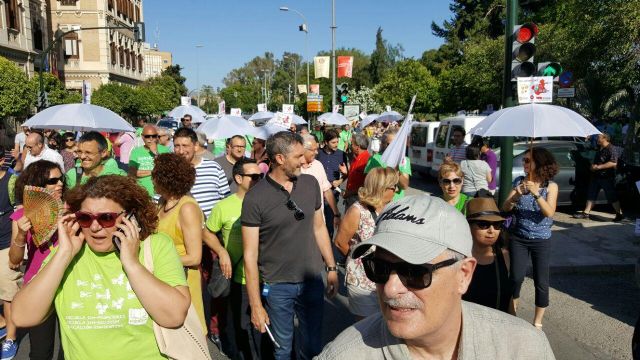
(591, 316)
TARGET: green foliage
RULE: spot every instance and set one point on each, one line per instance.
(14, 90)
(366, 98)
(408, 78)
(115, 97)
(240, 96)
(175, 72)
(56, 92)
(383, 57)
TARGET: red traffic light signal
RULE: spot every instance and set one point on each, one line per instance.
(526, 33)
(524, 49)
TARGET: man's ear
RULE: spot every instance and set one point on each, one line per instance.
(280, 158)
(465, 273)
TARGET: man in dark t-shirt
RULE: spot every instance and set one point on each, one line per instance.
(235, 151)
(603, 177)
(285, 240)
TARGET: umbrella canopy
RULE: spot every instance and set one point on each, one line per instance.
(332, 118)
(389, 117)
(534, 121)
(264, 132)
(79, 117)
(298, 120)
(261, 116)
(225, 127)
(368, 120)
(182, 110)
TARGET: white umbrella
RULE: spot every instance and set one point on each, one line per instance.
(298, 120)
(332, 118)
(389, 117)
(368, 120)
(395, 152)
(79, 117)
(261, 116)
(265, 131)
(226, 127)
(534, 121)
(182, 110)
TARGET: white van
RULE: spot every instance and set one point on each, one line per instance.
(444, 137)
(421, 147)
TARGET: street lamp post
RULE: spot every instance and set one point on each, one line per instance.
(305, 28)
(198, 47)
(295, 76)
(333, 54)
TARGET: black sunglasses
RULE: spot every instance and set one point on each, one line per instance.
(154, 136)
(297, 212)
(69, 139)
(411, 276)
(254, 177)
(447, 182)
(484, 224)
(54, 181)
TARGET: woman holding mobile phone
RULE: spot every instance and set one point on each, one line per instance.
(533, 202)
(105, 302)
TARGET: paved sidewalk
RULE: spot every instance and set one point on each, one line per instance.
(593, 245)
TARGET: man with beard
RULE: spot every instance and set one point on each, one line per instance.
(422, 264)
(283, 231)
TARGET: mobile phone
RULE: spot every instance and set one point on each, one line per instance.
(275, 343)
(116, 241)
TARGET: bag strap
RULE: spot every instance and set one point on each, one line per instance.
(78, 175)
(148, 257)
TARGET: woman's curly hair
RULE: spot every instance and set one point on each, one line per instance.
(172, 175)
(36, 174)
(546, 166)
(123, 190)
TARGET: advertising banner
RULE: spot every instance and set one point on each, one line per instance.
(345, 66)
(321, 65)
(221, 108)
(235, 112)
(314, 89)
(537, 89)
(302, 89)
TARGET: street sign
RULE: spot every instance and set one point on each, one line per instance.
(314, 103)
(566, 79)
(567, 92)
(537, 89)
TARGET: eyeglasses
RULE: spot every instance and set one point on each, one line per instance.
(55, 180)
(484, 225)
(69, 139)
(105, 219)
(152, 136)
(447, 182)
(526, 160)
(411, 276)
(298, 213)
(256, 177)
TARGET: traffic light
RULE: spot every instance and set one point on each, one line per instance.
(343, 92)
(138, 32)
(524, 49)
(553, 69)
(43, 100)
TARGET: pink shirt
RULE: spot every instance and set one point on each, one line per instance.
(35, 255)
(317, 171)
(127, 140)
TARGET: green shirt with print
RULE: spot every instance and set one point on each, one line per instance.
(143, 159)
(225, 218)
(100, 315)
(404, 167)
(344, 140)
(110, 167)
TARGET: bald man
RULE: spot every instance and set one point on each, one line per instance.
(36, 150)
(141, 161)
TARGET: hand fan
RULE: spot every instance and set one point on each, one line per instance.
(43, 210)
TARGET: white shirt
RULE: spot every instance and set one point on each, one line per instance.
(20, 139)
(46, 154)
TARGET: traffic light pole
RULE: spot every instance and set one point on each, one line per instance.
(59, 35)
(506, 143)
(333, 54)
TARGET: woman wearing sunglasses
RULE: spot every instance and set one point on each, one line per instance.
(533, 203)
(357, 226)
(450, 178)
(106, 299)
(490, 285)
(45, 174)
(181, 218)
(68, 150)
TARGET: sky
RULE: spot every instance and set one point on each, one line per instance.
(233, 32)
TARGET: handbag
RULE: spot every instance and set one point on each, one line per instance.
(185, 342)
(219, 285)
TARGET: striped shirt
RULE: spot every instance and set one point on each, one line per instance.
(211, 185)
(459, 153)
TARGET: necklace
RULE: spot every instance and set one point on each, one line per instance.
(171, 208)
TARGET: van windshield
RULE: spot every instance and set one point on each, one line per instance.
(419, 136)
(441, 138)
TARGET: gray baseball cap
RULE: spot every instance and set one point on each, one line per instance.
(419, 228)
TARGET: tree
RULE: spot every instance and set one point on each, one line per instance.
(14, 90)
(163, 94)
(383, 57)
(115, 97)
(408, 78)
(208, 99)
(366, 98)
(56, 92)
(240, 96)
(175, 72)
(470, 18)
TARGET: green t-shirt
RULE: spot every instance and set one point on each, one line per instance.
(405, 168)
(110, 167)
(225, 217)
(345, 139)
(462, 202)
(100, 315)
(249, 140)
(219, 147)
(320, 136)
(143, 159)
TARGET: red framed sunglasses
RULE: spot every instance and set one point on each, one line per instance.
(105, 219)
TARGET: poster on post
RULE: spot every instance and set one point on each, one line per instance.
(262, 107)
(314, 89)
(352, 112)
(287, 108)
(302, 89)
(235, 112)
(537, 89)
(221, 108)
(321, 66)
(282, 119)
(345, 66)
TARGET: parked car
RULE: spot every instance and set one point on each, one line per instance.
(169, 123)
(444, 137)
(421, 147)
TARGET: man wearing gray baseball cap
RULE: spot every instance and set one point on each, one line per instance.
(420, 259)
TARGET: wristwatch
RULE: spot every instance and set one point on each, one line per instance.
(330, 268)
(535, 196)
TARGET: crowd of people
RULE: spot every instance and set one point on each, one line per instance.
(253, 240)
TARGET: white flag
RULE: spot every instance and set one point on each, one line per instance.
(221, 108)
(321, 65)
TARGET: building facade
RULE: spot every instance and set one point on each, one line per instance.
(156, 61)
(96, 56)
(23, 32)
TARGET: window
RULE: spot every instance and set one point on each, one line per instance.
(419, 136)
(71, 47)
(13, 17)
(68, 2)
(110, 5)
(127, 58)
(114, 54)
(140, 63)
(441, 138)
(121, 57)
(37, 36)
(133, 61)
(137, 14)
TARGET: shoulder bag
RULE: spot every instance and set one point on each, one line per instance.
(185, 342)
